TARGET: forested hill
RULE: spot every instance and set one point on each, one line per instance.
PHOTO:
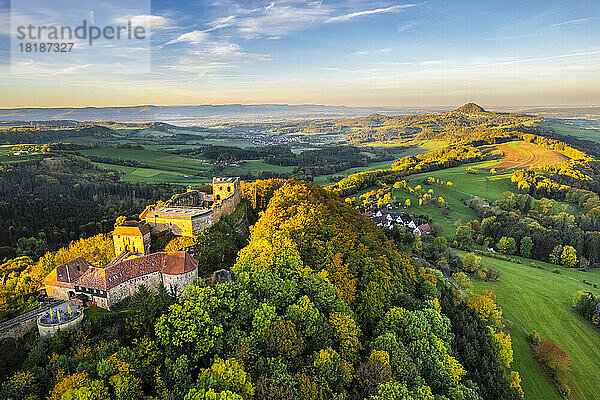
(323, 307)
(471, 108)
(465, 124)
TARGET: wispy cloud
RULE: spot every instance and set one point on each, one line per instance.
(71, 69)
(153, 21)
(279, 19)
(372, 52)
(347, 17)
(407, 27)
(194, 37)
(536, 59)
(579, 21)
(431, 62)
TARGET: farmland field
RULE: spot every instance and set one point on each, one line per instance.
(537, 299)
(569, 129)
(519, 154)
(160, 167)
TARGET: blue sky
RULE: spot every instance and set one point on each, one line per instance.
(355, 52)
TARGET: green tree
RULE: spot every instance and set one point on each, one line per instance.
(526, 246)
(568, 257)
(471, 262)
(188, 326)
(399, 391)
(556, 254)
(226, 375)
(507, 245)
(464, 237)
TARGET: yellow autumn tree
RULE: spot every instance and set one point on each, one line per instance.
(344, 281)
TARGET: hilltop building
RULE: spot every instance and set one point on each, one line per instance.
(185, 214)
(189, 213)
(132, 236)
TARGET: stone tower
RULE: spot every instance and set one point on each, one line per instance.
(132, 236)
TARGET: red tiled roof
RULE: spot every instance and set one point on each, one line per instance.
(116, 273)
(179, 262)
(133, 268)
(70, 271)
(424, 228)
(145, 228)
(93, 278)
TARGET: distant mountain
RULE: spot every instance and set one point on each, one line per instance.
(471, 108)
(197, 115)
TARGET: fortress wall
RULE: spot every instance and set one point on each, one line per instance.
(202, 222)
(49, 330)
(128, 288)
(58, 292)
(227, 205)
(177, 283)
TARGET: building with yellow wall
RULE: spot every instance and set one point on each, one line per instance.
(182, 221)
(132, 236)
(189, 213)
(225, 187)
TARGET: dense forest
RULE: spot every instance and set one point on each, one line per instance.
(47, 203)
(328, 159)
(323, 306)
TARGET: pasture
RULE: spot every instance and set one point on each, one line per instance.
(538, 299)
(570, 129)
(465, 185)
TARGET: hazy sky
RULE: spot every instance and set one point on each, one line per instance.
(353, 52)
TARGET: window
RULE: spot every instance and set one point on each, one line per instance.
(229, 188)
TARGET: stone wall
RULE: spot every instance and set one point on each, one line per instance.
(191, 198)
(176, 283)
(182, 227)
(128, 288)
(227, 205)
(49, 330)
(58, 292)
(202, 222)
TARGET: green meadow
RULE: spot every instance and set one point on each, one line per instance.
(161, 167)
(538, 299)
(465, 185)
(569, 129)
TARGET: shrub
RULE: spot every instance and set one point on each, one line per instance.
(557, 362)
(534, 337)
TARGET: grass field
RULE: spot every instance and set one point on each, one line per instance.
(160, 167)
(537, 299)
(409, 149)
(482, 184)
(568, 129)
(5, 158)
